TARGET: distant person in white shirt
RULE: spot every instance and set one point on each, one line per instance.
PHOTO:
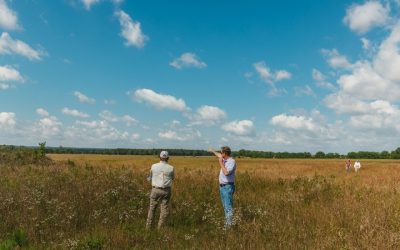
(161, 177)
(357, 166)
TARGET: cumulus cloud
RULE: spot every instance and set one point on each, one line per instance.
(268, 76)
(7, 120)
(131, 30)
(293, 122)
(47, 127)
(42, 112)
(321, 80)
(207, 115)
(9, 77)
(304, 91)
(10, 46)
(366, 44)
(170, 135)
(159, 101)
(109, 116)
(180, 135)
(188, 60)
(361, 18)
(240, 128)
(8, 17)
(8, 73)
(74, 113)
(88, 3)
(336, 60)
(98, 131)
(379, 116)
(4, 86)
(83, 98)
(129, 120)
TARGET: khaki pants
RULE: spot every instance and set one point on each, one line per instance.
(162, 197)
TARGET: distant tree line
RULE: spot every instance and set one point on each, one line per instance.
(395, 154)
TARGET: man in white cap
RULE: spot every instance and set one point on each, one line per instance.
(161, 177)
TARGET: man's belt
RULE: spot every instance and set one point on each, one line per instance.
(161, 187)
(224, 184)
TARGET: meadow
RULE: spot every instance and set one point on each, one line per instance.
(101, 201)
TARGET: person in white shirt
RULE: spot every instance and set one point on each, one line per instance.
(161, 177)
(226, 182)
(357, 166)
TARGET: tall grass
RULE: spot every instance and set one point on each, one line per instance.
(101, 202)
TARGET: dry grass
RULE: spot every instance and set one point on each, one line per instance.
(100, 201)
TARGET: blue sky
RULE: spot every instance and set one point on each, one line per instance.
(264, 75)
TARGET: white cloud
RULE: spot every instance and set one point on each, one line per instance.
(129, 120)
(9, 77)
(282, 75)
(181, 135)
(170, 135)
(241, 128)
(131, 30)
(377, 79)
(88, 3)
(159, 101)
(97, 132)
(8, 73)
(42, 112)
(294, 122)
(4, 86)
(268, 76)
(366, 44)
(306, 90)
(47, 127)
(8, 17)
(7, 120)
(10, 46)
(135, 136)
(380, 116)
(321, 81)
(343, 103)
(188, 60)
(318, 76)
(109, 116)
(364, 17)
(207, 115)
(387, 61)
(110, 102)
(336, 60)
(83, 98)
(74, 113)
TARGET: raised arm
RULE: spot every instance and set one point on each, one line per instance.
(216, 153)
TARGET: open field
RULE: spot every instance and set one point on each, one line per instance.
(101, 201)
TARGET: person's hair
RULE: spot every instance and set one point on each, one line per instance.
(226, 150)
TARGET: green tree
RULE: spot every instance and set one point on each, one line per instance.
(42, 149)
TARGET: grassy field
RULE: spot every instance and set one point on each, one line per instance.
(101, 202)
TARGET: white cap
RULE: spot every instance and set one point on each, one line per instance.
(164, 154)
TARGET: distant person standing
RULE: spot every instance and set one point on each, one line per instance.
(348, 165)
(161, 177)
(357, 165)
(227, 182)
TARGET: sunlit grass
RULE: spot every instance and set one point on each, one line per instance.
(100, 201)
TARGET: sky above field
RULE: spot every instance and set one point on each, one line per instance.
(263, 75)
